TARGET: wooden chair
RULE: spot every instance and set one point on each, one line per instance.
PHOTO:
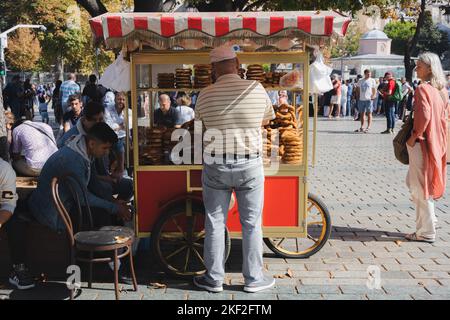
(113, 239)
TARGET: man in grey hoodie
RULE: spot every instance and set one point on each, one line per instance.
(75, 159)
(102, 183)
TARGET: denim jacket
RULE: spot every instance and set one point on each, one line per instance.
(73, 160)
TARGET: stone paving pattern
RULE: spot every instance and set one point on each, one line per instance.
(363, 186)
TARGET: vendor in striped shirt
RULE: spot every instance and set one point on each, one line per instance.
(233, 111)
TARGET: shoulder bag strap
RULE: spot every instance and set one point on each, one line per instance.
(41, 131)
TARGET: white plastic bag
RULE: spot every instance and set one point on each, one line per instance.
(319, 76)
(117, 75)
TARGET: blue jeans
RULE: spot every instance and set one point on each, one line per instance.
(246, 179)
(348, 110)
(390, 114)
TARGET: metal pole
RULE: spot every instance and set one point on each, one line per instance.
(96, 62)
(2, 58)
(316, 110)
(127, 134)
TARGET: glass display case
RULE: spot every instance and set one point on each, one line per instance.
(183, 73)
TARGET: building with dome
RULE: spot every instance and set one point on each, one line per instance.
(374, 54)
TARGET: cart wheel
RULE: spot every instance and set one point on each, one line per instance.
(318, 227)
(177, 241)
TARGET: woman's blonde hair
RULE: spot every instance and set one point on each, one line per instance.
(432, 60)
(185, 100)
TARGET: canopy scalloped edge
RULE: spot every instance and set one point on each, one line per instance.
(193, 39)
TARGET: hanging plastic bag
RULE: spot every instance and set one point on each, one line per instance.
(319, 75)
(293, 79)
(117, 75)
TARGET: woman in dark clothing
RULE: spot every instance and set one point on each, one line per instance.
(28, 96)
(56, 103)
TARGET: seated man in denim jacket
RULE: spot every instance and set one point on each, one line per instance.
(102, 183)
(75, 159)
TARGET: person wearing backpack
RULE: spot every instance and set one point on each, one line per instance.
(391, 94)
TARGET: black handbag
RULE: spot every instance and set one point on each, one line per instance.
(399, 142)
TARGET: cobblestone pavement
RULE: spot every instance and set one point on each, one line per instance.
(363, 186)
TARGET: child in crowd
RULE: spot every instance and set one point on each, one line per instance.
(43, 105)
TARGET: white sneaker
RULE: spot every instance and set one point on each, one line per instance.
(266, 284)
(201, 282)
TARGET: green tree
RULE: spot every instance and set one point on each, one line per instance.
(67, 43)
(430, 38)
(400, 32)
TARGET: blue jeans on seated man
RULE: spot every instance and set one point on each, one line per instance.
(246, 178)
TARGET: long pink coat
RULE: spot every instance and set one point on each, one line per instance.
(430, 127)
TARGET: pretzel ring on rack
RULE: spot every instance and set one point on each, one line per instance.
(288, 123)
(287, 106)
(282, 116)
(284, 129)
(288, 157)
(293, 146)
(290, 132)
(289, 154)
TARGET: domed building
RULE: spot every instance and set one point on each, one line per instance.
(374, 54)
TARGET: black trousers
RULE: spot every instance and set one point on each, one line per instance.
(16, 231)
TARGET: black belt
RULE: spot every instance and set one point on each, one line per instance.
(237, 156)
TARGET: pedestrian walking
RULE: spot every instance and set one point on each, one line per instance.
(380, 101)
(28, 99)
(366, 92)
(344, 92)
(406, 91)
(56, 104)
(390, 104)
(68, 88)
(13, 95)
(43, 105)
(236, 108)
(356, 98)
(349, 98)
(335, 103)
(427, 147)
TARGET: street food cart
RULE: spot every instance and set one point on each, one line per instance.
(169, 53)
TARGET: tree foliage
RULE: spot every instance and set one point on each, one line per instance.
(400, 32)
(68, 39)
(430, 37)
(23, 51)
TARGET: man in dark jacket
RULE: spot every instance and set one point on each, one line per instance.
(76, 159)
(13, 96)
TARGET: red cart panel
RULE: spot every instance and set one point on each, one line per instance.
(156, 188)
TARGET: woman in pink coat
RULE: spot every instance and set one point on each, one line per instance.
(427, 147)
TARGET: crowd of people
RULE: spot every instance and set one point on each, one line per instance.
(365, 97)
(90, 148)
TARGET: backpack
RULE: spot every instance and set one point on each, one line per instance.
(397, 94)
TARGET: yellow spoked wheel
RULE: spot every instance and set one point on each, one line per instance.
(318, 223)
(178, 241)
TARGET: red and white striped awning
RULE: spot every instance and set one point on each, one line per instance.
(165, 30)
